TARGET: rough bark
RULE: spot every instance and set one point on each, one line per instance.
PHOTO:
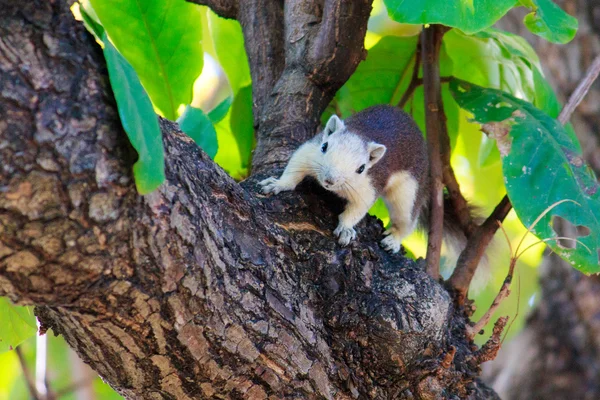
(204, 289)
(557, 355)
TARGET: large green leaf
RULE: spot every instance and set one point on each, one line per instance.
(379, 78)
(16, 324)
(138, 118)
(495, 59)
(501, 60)
(228, 42)
(542, 165)
(242, 123)
(549, 21)
(199, 127)
(161, 39)
(468, 15)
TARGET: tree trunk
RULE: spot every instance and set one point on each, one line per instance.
(204, 288)
(557, 355)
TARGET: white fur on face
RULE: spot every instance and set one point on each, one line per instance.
(346, 153)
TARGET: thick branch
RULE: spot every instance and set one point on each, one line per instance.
(431, 41)
(223, 8)
(323, 45)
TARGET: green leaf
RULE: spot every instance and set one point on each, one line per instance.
(90, 20)
(219, 112)
(242, 123)
(199, 127)
(379, 78)
(467, 15)
(138, 118)
(492, 58)
(501, 60)
(16, 324)
(228, 42)
(549, 21)
(162, 42)
(542, 165)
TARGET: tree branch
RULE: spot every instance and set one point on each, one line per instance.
(323, 46)
(471, 256)
(584, 86)
(27, 375)
(431, 41)
(223, 8)
(415, 81)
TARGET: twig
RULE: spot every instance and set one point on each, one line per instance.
(26, 373)
(431, 41)
(502, 294)
(580, 92)
(490, 349)
(415, 81)
(476, 245)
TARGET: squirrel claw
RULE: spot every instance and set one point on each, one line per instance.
(344, 234)
(390, 244)
(270, 185)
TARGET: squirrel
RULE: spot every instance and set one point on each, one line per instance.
(377, 152)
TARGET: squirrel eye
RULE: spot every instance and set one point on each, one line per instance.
(324, 147)
(360, 169)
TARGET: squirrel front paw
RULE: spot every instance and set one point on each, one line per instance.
(390, 243)
(345, 234)
(272, 185)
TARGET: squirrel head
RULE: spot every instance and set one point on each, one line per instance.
(345, 158)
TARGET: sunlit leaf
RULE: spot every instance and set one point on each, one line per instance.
(197, 125)
(219, 112)
(541, 166)
(162, 42)
(17, 324)
(549, 21)
(379, 78)
(242, 123)
(138, 118)
(228, 42)
(468, 15)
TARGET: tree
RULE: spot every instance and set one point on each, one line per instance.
(203, 287)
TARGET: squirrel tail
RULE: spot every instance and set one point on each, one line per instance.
(455, 241)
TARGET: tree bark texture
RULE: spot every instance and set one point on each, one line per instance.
(557, 355)
(204, 288)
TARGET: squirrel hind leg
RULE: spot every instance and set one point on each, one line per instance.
(399, 198)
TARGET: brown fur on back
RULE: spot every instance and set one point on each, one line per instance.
(398, 132)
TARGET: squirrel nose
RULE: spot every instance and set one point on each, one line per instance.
(329, 181)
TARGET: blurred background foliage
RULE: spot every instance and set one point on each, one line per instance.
(217, 114)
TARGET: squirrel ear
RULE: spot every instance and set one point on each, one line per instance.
(376, 151)
(334, 124)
